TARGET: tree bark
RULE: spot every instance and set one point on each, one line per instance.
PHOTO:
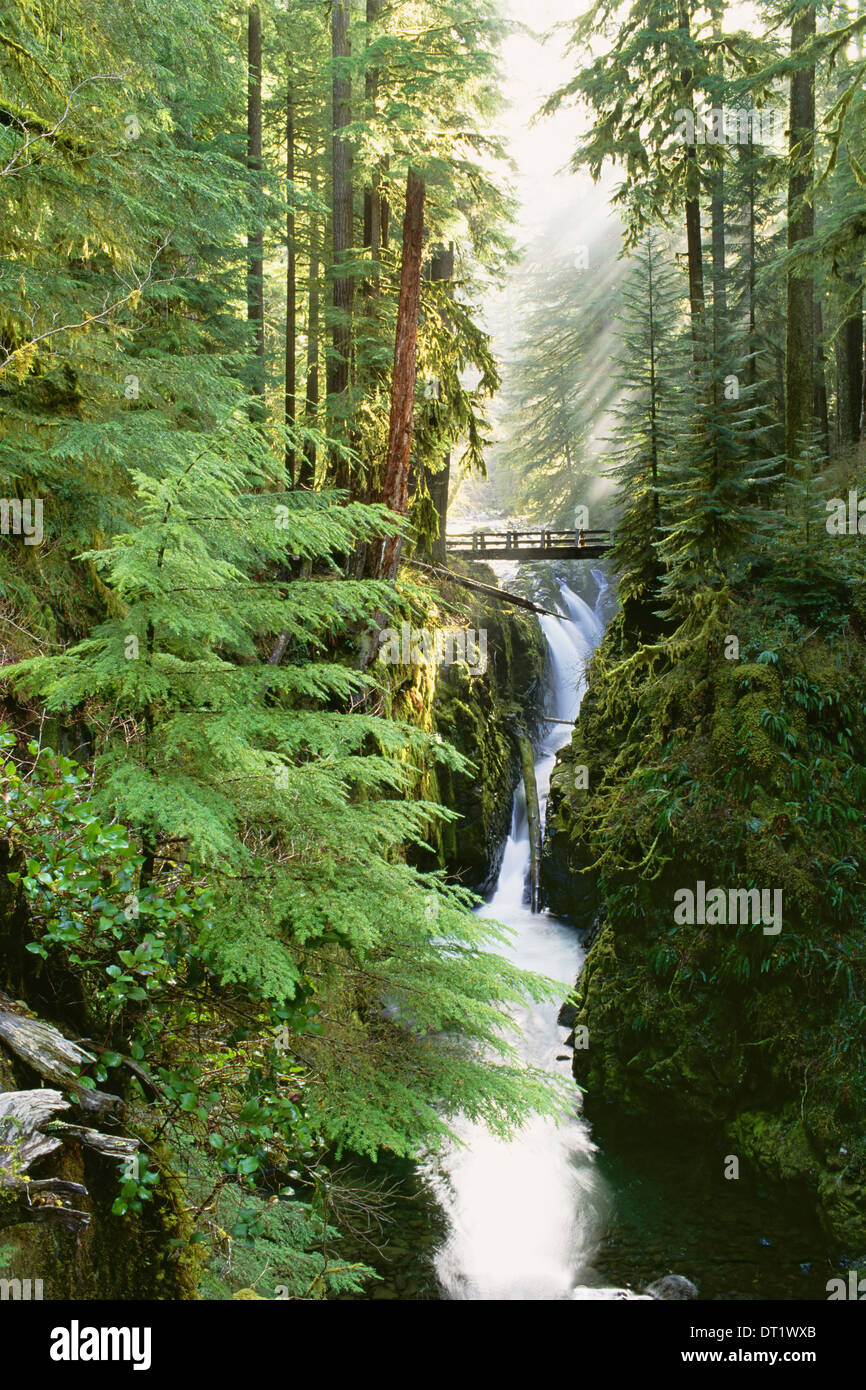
(51, 1055)
(849, 373)
(717, 227)
(694, 249)
(820, 386)
(499, 595)
(720, 297)
(748, 162)
(339, 360)
(800, 335)
(372, 194)
(653, 391)
(31, 1130)
(291, 364)
(307, 473)
(396, 489)
(22, 1143)
(255, 238)
(438, 484)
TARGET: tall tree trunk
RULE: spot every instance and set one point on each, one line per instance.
(720, 295)
(717, 227)
(820, 386)
(365, 488)
(384, 211)
(255, 238)
(307, 472)
(291, 287)
(747, 159)
(438, 484)
(849, 372)
(696, 269)
(653, 393)
(372, 195)
(719, 305)
(338, 365)
(800, 338)
(396, 490)
(693, 213)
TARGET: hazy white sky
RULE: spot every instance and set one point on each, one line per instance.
(554, 202)
(533, 70)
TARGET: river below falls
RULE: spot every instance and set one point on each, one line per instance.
(559, 1212)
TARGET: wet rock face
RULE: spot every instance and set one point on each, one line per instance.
(567, 1016)
(568, 884)
(748, 1037)
(475, 713)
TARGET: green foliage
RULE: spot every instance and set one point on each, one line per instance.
(645, 434)
(378, 1048)
(79, 878)
(747, 774)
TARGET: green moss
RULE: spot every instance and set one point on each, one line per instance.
(740, 774)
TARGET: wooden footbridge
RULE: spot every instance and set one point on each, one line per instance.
(530, 545)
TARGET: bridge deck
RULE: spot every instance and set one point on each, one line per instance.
(530, 545)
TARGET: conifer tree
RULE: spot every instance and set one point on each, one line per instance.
(650, 362)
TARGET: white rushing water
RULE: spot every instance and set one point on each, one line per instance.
(525, 1216)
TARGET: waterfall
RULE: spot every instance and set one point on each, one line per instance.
(525, 1216)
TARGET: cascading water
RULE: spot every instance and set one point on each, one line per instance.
(525, 1216)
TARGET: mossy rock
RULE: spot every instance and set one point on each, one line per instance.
(755, 1036)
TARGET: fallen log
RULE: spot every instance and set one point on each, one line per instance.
(487, 589)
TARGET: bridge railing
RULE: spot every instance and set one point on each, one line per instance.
(512, 540)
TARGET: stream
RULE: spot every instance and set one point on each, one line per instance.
(561, 1211)
(542, 1246)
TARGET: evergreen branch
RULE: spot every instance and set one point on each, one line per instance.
(10, 170)
(100, 317)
